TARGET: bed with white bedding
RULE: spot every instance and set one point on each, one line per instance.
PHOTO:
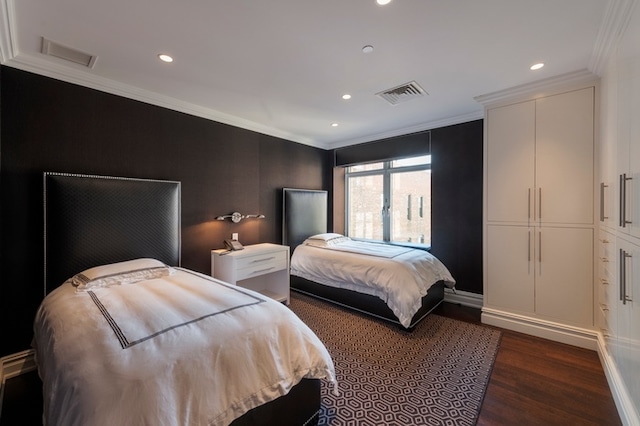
(174, 348)
(125, 335)
(399, 276)
(396, 283)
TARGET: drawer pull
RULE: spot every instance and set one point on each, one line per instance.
(259, 271)
(263, 259)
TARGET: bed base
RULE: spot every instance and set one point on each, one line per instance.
(301, 406)
(370, 305)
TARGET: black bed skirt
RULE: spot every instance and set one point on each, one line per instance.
(301, 406)
(368, 304)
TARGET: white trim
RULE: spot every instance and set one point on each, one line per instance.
(14, 365)
(613, 26)
(624, 403)
(576, 336)
(539, 88)
(463, 298)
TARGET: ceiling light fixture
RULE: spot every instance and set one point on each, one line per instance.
(165, 58)
(536, 66)
(367, 49)
(334, 124)
(346, 96)
(383, 2)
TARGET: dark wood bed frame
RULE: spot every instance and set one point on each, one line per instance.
(305, 214)
(96, 220)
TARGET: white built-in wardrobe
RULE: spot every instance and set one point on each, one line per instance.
(539, 209)
(618, 271)
(562, 210)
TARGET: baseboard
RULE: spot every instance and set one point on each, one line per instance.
(13, 365)
(624, 403)
(463, 298)
(576, 336)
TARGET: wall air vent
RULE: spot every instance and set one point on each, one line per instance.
(52, 48)
(404, 92)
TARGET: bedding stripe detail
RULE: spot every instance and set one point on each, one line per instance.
(125, 343)
(114, 326)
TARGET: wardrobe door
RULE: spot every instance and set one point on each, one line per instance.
(565, 158)
(510, 273)
(510, 162)
(564, 274)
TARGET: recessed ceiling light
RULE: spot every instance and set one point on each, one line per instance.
(165, 58)
(346, 96)
(383, 2)
(367, 49)
(536, 66)
(334, 124)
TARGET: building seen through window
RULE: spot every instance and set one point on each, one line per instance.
(390, 201)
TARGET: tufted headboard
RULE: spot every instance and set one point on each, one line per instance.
(96, 220)
(304, 213)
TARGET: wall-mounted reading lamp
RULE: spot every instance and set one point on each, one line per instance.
(237, 217)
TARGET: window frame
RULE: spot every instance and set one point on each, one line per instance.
(387, 170)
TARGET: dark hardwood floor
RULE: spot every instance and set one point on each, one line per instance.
(533, 382)
(539, 382)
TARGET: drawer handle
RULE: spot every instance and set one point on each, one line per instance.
(263, 260)
(259, 271)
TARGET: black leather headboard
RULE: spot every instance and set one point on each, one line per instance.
(304, 213)
(96, 220)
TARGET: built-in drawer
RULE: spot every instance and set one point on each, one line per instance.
(603, 320)
(264, 263)
(604, 291)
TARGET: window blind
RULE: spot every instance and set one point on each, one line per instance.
(412, 145)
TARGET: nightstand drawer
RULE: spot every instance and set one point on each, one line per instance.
(265, 263)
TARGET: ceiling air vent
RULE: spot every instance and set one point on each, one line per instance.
(52, 48)
(404, 92)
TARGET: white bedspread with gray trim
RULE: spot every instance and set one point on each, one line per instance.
(400, 277)
(182, 349)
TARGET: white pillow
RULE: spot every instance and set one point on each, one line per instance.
(326, 240)
(128, 272)
(326, 237)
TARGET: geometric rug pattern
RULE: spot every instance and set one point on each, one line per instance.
(436, 374)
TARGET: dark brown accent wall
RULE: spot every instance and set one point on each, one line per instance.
(456, 212)
(456, 193)
(49, 125)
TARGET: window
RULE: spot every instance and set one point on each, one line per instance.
(390, 201)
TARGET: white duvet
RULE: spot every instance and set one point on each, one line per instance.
(400, 276)
(184, 349)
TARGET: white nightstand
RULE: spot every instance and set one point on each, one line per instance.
(260, 267)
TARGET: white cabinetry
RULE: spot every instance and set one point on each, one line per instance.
(627, 336)
(539, 208)
(619, 273)
(628, 164)
(260, 267)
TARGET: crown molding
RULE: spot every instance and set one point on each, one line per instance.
(612, 28)
(538, 88)
(449, 121)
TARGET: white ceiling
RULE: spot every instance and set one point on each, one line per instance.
(280, 67)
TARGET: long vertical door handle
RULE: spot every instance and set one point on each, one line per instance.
(529, 206)
(623, 278)
(625, 297)
(623, 222)
(602, 212)
(540, 251)
(626, 222)
(621, 200)
(540, 204)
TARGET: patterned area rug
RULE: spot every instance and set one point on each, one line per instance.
(435, 375)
